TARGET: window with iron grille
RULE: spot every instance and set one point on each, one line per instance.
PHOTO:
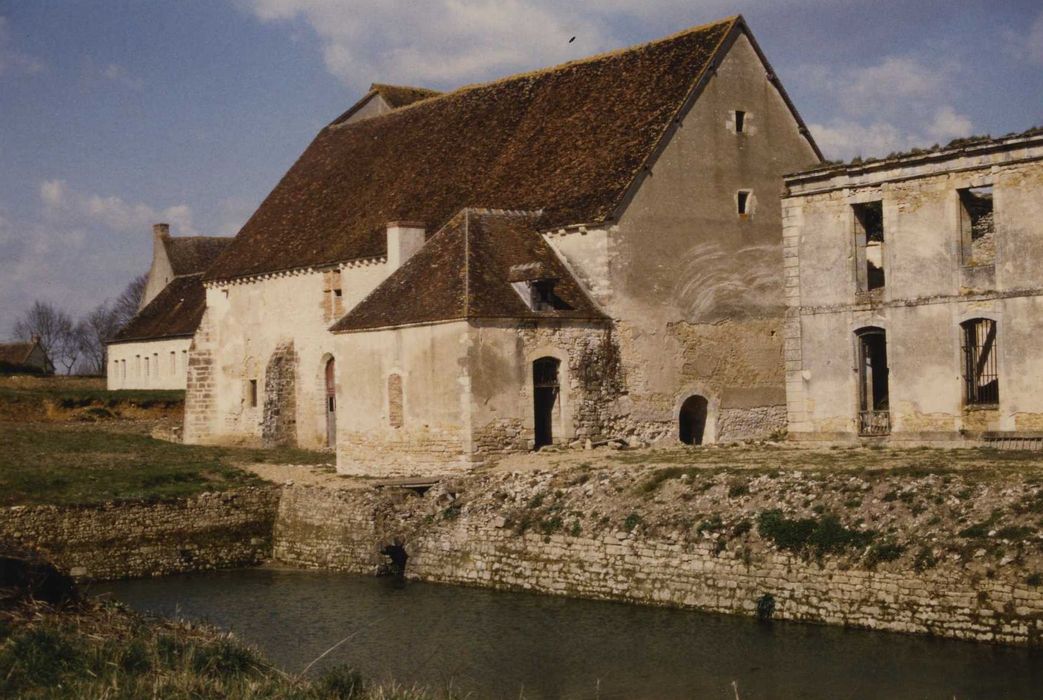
(980, 372)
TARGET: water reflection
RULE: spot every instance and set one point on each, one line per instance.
(497, 644)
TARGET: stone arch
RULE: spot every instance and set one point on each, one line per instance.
(561, 428)
(696, 402)
(279, 423)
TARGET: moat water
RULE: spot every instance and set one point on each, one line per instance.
(516, 645)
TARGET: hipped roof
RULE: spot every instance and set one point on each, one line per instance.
(464, 272)
(568, 140)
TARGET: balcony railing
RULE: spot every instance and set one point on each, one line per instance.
(872, 423)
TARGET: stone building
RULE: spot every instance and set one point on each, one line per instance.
(16, 358)
(151, 352)
(914, 290)
(585, 252)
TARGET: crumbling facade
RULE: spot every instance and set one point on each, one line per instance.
(584, 253)
(915, 295)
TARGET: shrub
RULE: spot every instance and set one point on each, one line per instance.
(711, 524)
(632, 521)
(738, 488)
(925, 559)
(883, 551)
(825, 536)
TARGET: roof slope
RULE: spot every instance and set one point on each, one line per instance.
(174, 313)
(567, 140)
(15, 353)
(190, 255)
(465, 272)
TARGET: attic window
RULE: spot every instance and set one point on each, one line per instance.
(338, 292)
(743, 202)
(740, 121)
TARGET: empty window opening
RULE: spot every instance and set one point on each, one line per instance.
(874, 417)
(691, 421)
(146, 367)
(742, 202)
(331, 403)
(977, 226)
(173, 362)
(869, 240)
(545, 399)
(980, 371)
(740, 121)
(155, 363)
(252, 393)
(338, 292)
(395, 409)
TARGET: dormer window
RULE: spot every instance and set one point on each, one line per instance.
(536, 287)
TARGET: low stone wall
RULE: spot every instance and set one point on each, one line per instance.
(138, 539)
(491, 532)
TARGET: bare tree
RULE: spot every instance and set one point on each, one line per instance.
(92, 332)
(54, 329)
(127, 303)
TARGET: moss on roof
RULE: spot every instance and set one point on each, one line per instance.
(190, 255)
(568, 140)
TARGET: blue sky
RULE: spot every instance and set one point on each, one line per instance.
(120, 113)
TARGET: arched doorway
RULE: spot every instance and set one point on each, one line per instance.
(545, 392)
(691, 420)
(331, 404)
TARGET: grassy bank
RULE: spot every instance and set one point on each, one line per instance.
(97, 650)
(77, 464)
(84, 399)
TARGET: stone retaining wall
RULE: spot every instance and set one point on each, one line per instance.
(347, 531)
(137, 539)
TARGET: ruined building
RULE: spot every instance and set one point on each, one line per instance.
(914, 292)
(151, 352)
(585, 252)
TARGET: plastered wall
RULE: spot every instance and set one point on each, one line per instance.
(928, 293)
(166, 368)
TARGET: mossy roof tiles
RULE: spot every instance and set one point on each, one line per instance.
(568, 141)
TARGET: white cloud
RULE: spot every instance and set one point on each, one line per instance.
(440, 42)
(121, 76)
(12, 61)
(1027, 46)
(899, 103)
(114, 213)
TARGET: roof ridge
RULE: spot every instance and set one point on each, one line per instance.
(468, 87)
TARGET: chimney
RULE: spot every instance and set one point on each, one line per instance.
(160, 230)
(36, 339)
(404, 239)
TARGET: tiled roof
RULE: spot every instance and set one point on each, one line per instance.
(175, 312)
(568, 140)
(190, 255)
(15, 353)
(394, 95)
(465, 272)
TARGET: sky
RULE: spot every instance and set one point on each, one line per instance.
(117, 114)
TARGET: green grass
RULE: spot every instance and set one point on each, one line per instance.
(105, 651)
(80, 464)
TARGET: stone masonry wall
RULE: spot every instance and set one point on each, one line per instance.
(565, 535)
(136, 539)
(279, 424)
